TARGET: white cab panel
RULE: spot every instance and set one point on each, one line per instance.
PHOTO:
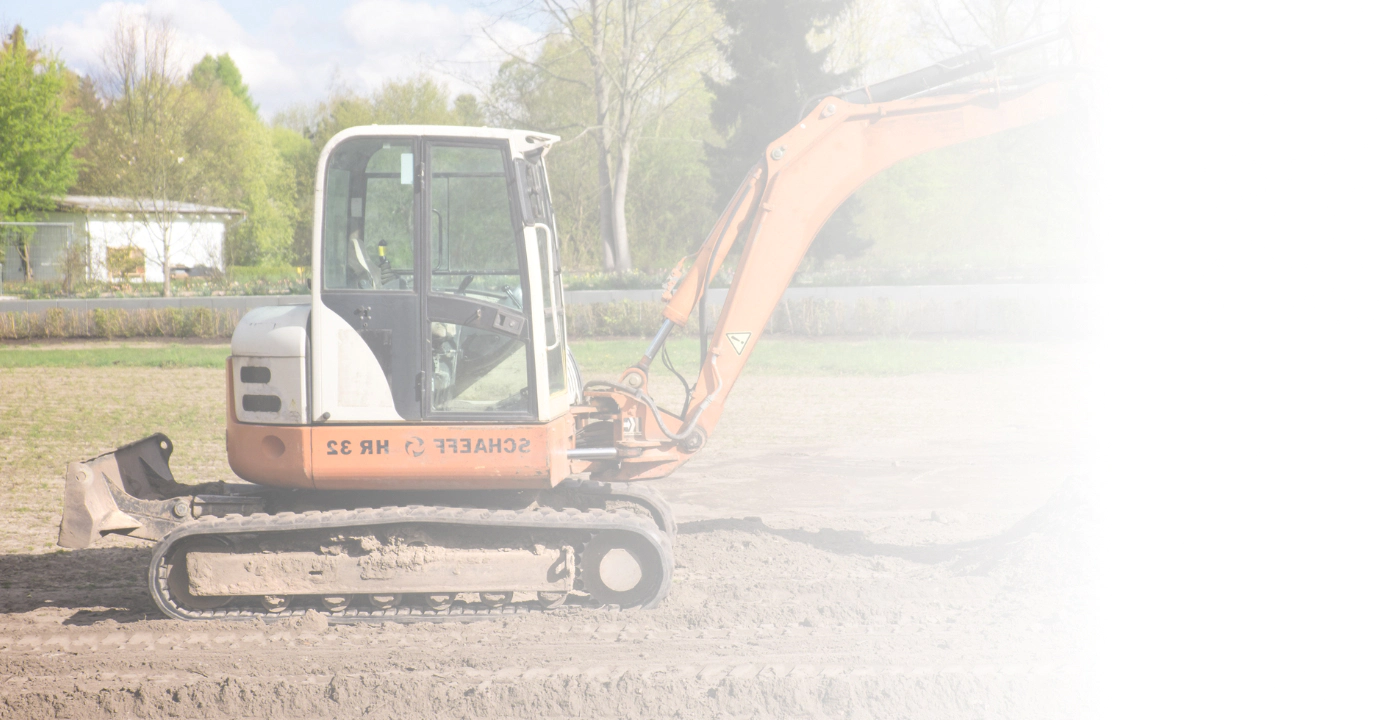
(349, 383)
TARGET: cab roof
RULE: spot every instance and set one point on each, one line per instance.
(522, 141)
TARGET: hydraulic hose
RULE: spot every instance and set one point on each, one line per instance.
(691, 422)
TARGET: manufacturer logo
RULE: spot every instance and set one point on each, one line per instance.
(416, 446)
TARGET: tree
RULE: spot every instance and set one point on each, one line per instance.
(960, 25)
(37, 132)
(157, 139)
(417, 100)
(300, 133)
(298, 156)
(637, 52)
(262, 184)
(1001, 208)
(522, 95)
(221, 70)
(253, 175)
(669, 205)
(774, 72)
(160, 135)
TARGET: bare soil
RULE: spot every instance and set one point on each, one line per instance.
(848, 548)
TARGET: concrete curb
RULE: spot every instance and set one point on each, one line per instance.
(896, 293)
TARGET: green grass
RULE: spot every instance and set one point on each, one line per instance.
(773, 356)
(800, 356)
(165, 356)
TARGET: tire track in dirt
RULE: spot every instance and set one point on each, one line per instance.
(711, 673)
(679, 692)
(119, 641)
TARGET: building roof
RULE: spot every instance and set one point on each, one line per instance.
(90, 204)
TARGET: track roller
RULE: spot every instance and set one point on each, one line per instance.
(441, 602)
(275, 603)
(336, 603)
(492, 599)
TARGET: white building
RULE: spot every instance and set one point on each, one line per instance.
(125, 235)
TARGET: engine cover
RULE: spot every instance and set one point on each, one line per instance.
(269, 367)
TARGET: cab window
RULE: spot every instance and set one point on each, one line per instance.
(369, 218)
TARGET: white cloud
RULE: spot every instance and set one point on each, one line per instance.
(297, 54)
(203, 26)
(457, 48)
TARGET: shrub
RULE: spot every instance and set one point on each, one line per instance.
(811, 317)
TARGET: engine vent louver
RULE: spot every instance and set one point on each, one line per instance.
(262, 403)
(255, 375)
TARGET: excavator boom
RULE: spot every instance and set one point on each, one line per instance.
(779, 208)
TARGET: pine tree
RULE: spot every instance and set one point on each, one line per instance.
(774, 72)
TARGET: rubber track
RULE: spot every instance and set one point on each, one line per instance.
(591, 521)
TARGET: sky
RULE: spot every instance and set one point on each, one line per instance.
(294, 51)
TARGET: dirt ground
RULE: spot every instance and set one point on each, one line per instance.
(855, 547)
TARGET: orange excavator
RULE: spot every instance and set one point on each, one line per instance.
(418, 442)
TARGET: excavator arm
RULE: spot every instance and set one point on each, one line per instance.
(777, 211)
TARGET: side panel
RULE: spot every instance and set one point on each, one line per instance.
(375, 337)
(392, 457)
(432, 457)
(347, 380)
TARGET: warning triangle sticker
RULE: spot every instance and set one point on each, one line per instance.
(739, 340)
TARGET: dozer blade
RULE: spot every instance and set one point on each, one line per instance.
(129, 491)
(90, 510)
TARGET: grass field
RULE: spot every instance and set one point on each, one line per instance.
(772, 356)
(811, 356)
(160, 355)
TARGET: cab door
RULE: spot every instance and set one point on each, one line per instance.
(478, 296)
(366, 334)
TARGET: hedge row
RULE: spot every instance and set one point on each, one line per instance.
(194, 322)
(808, 317)
(817, 317)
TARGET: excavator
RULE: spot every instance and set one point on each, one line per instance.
(418, 442)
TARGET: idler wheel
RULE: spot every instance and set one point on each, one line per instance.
(620, 569)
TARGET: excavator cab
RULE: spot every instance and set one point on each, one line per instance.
(435, 331)
(439, 296)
